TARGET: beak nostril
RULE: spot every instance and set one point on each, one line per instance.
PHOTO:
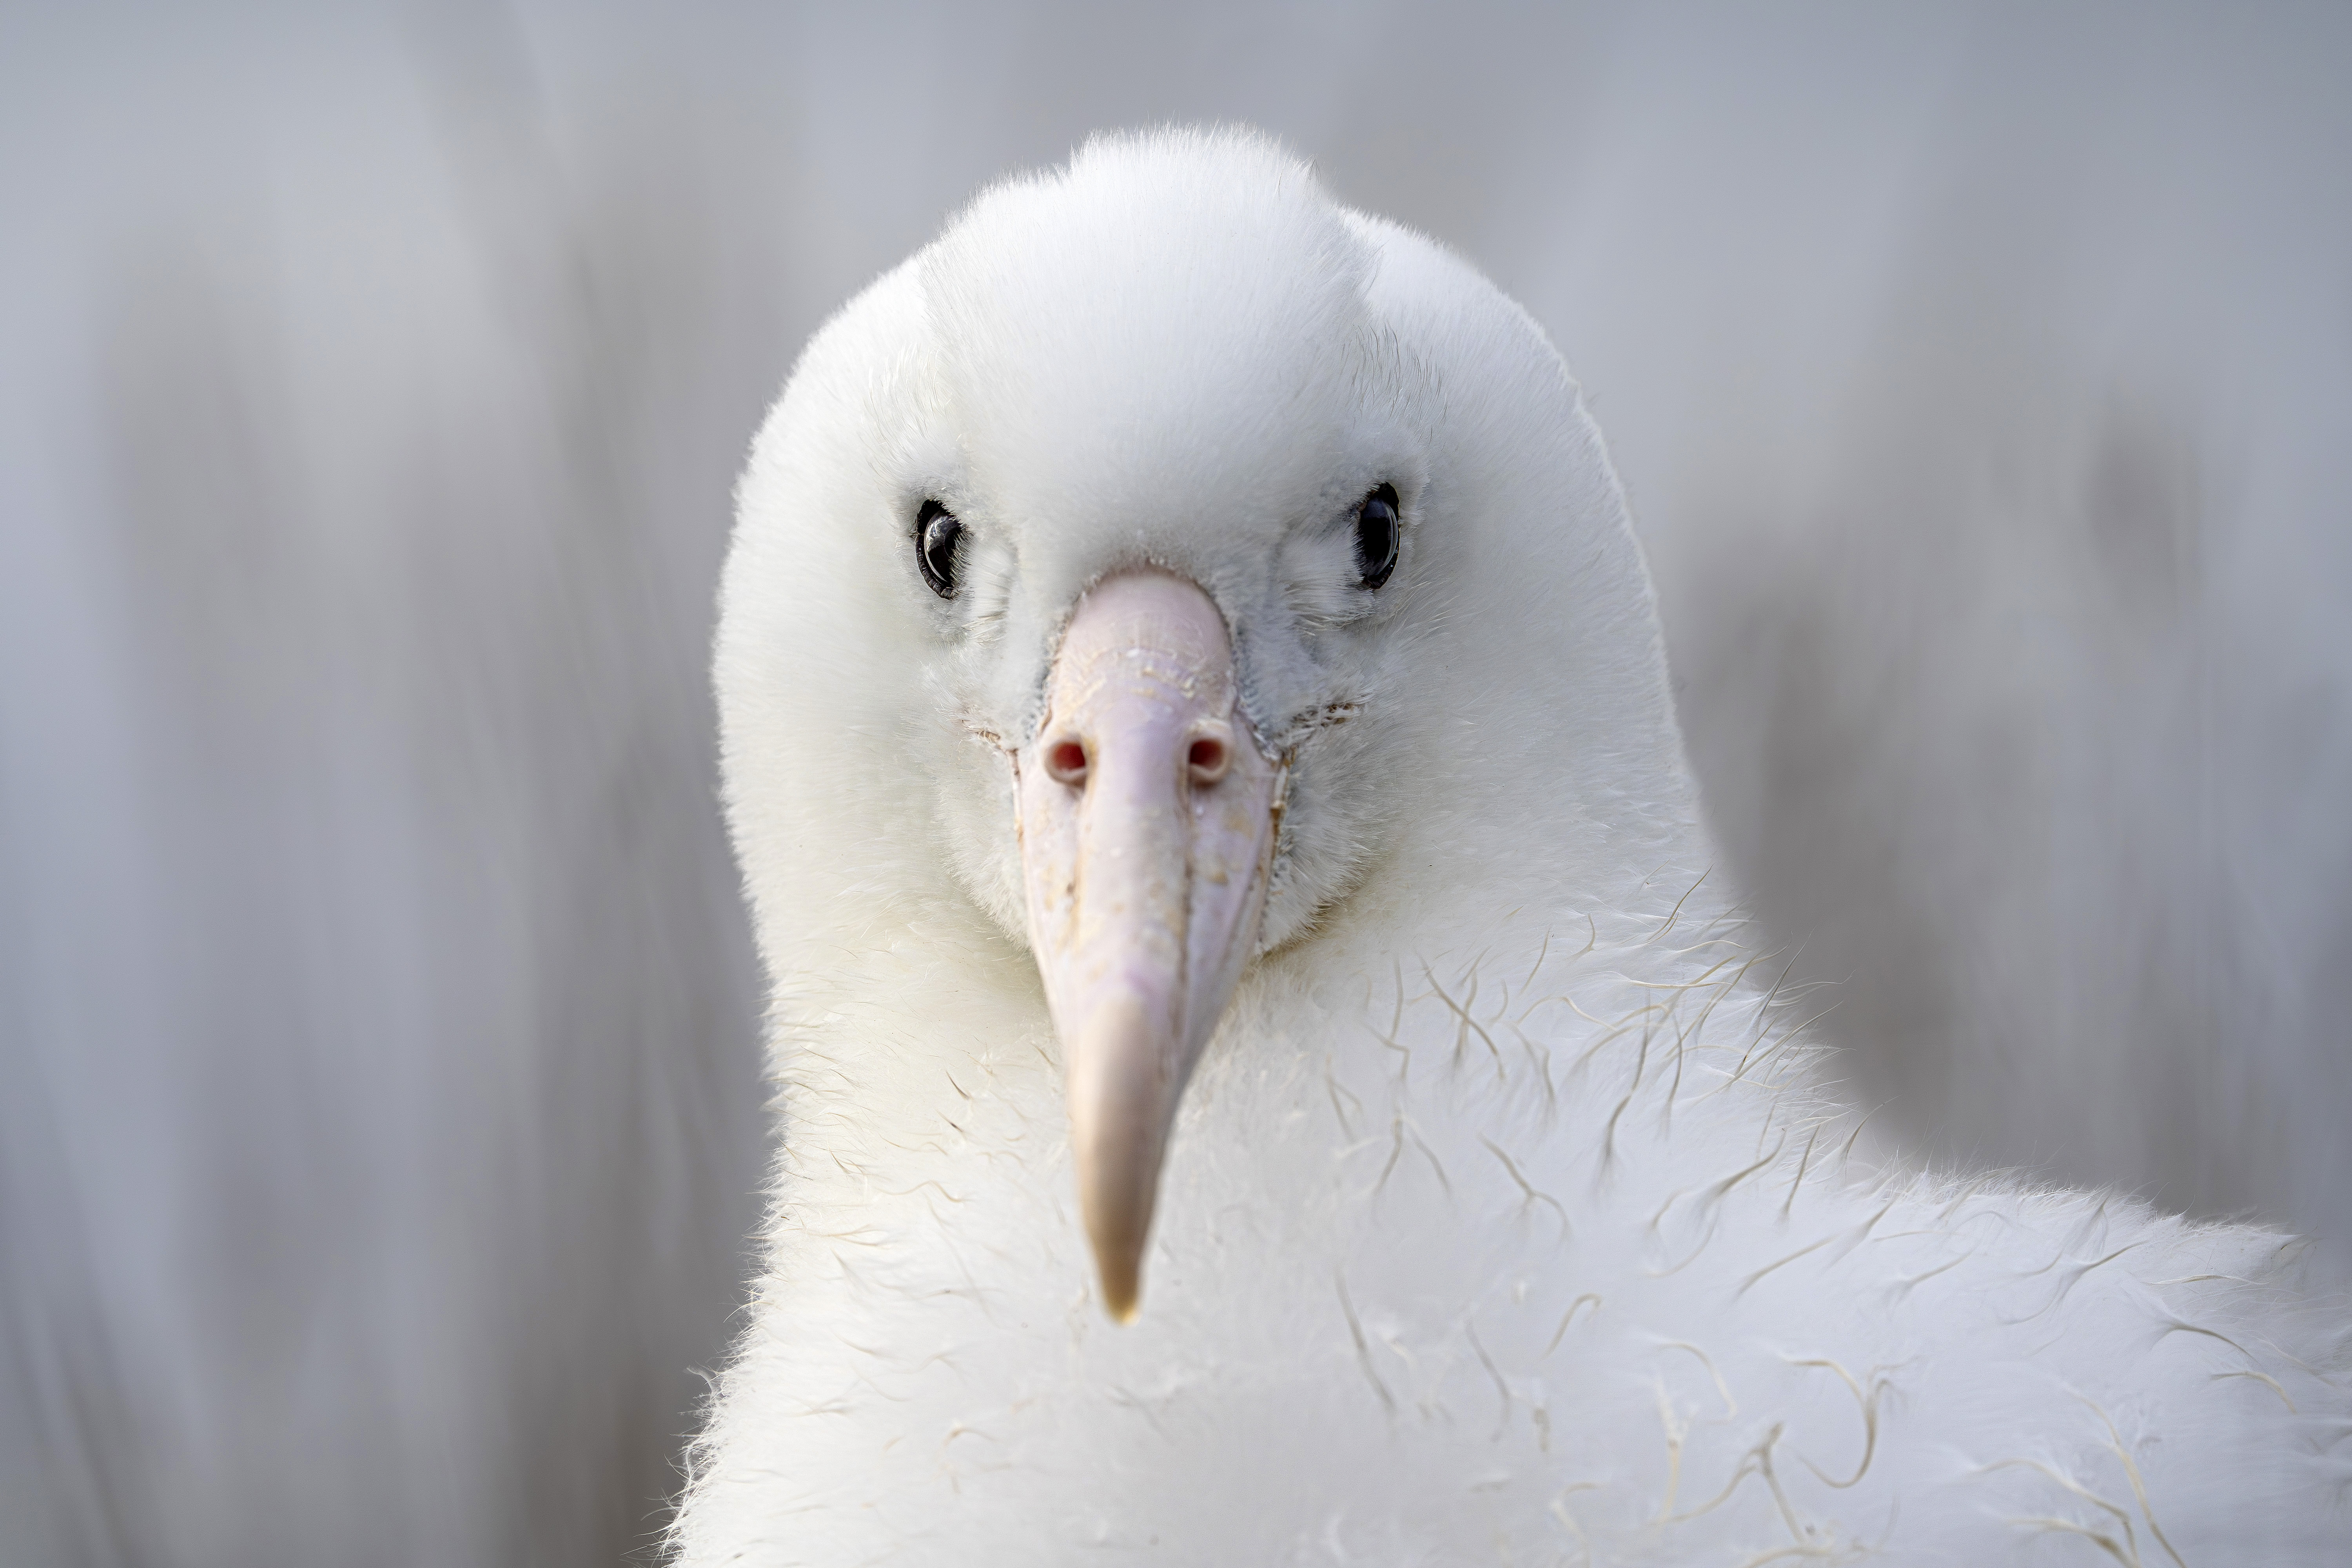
(1066, 761)
(1208, 759)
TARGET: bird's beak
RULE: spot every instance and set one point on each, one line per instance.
(1147, 828)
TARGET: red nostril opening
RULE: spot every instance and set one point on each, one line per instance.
(1207, 759)
(1066, 761)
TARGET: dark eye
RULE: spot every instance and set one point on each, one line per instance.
(1376, 537)
(938, 532)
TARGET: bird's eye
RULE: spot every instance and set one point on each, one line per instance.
(938, 534)
(1376, 537)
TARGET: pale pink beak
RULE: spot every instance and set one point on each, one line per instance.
(1147, 830)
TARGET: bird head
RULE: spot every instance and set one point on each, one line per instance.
(1168, 567)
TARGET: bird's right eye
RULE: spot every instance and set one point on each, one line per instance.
(938, 534)
(1376, 537)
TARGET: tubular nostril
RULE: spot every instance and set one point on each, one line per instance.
(1208, 758)
(1066, 761)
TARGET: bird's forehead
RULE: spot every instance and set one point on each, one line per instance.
(1141, 339)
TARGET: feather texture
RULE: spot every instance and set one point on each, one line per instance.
(1506, 1220)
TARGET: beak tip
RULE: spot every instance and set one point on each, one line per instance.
(1122, 1287)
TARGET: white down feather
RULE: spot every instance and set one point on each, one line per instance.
(1505, 1221)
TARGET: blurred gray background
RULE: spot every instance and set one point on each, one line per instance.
(380, 1111)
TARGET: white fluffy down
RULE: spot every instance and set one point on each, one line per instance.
(1503, 1222)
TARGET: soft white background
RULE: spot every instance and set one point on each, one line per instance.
(379, 1099)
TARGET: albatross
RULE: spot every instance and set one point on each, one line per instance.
(1264, 1074)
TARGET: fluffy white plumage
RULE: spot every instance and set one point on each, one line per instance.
(1503, 1221)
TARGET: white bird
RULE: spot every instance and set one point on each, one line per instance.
(1196, 734)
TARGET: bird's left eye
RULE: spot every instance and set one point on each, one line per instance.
(1377, 537)
(938, 532)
